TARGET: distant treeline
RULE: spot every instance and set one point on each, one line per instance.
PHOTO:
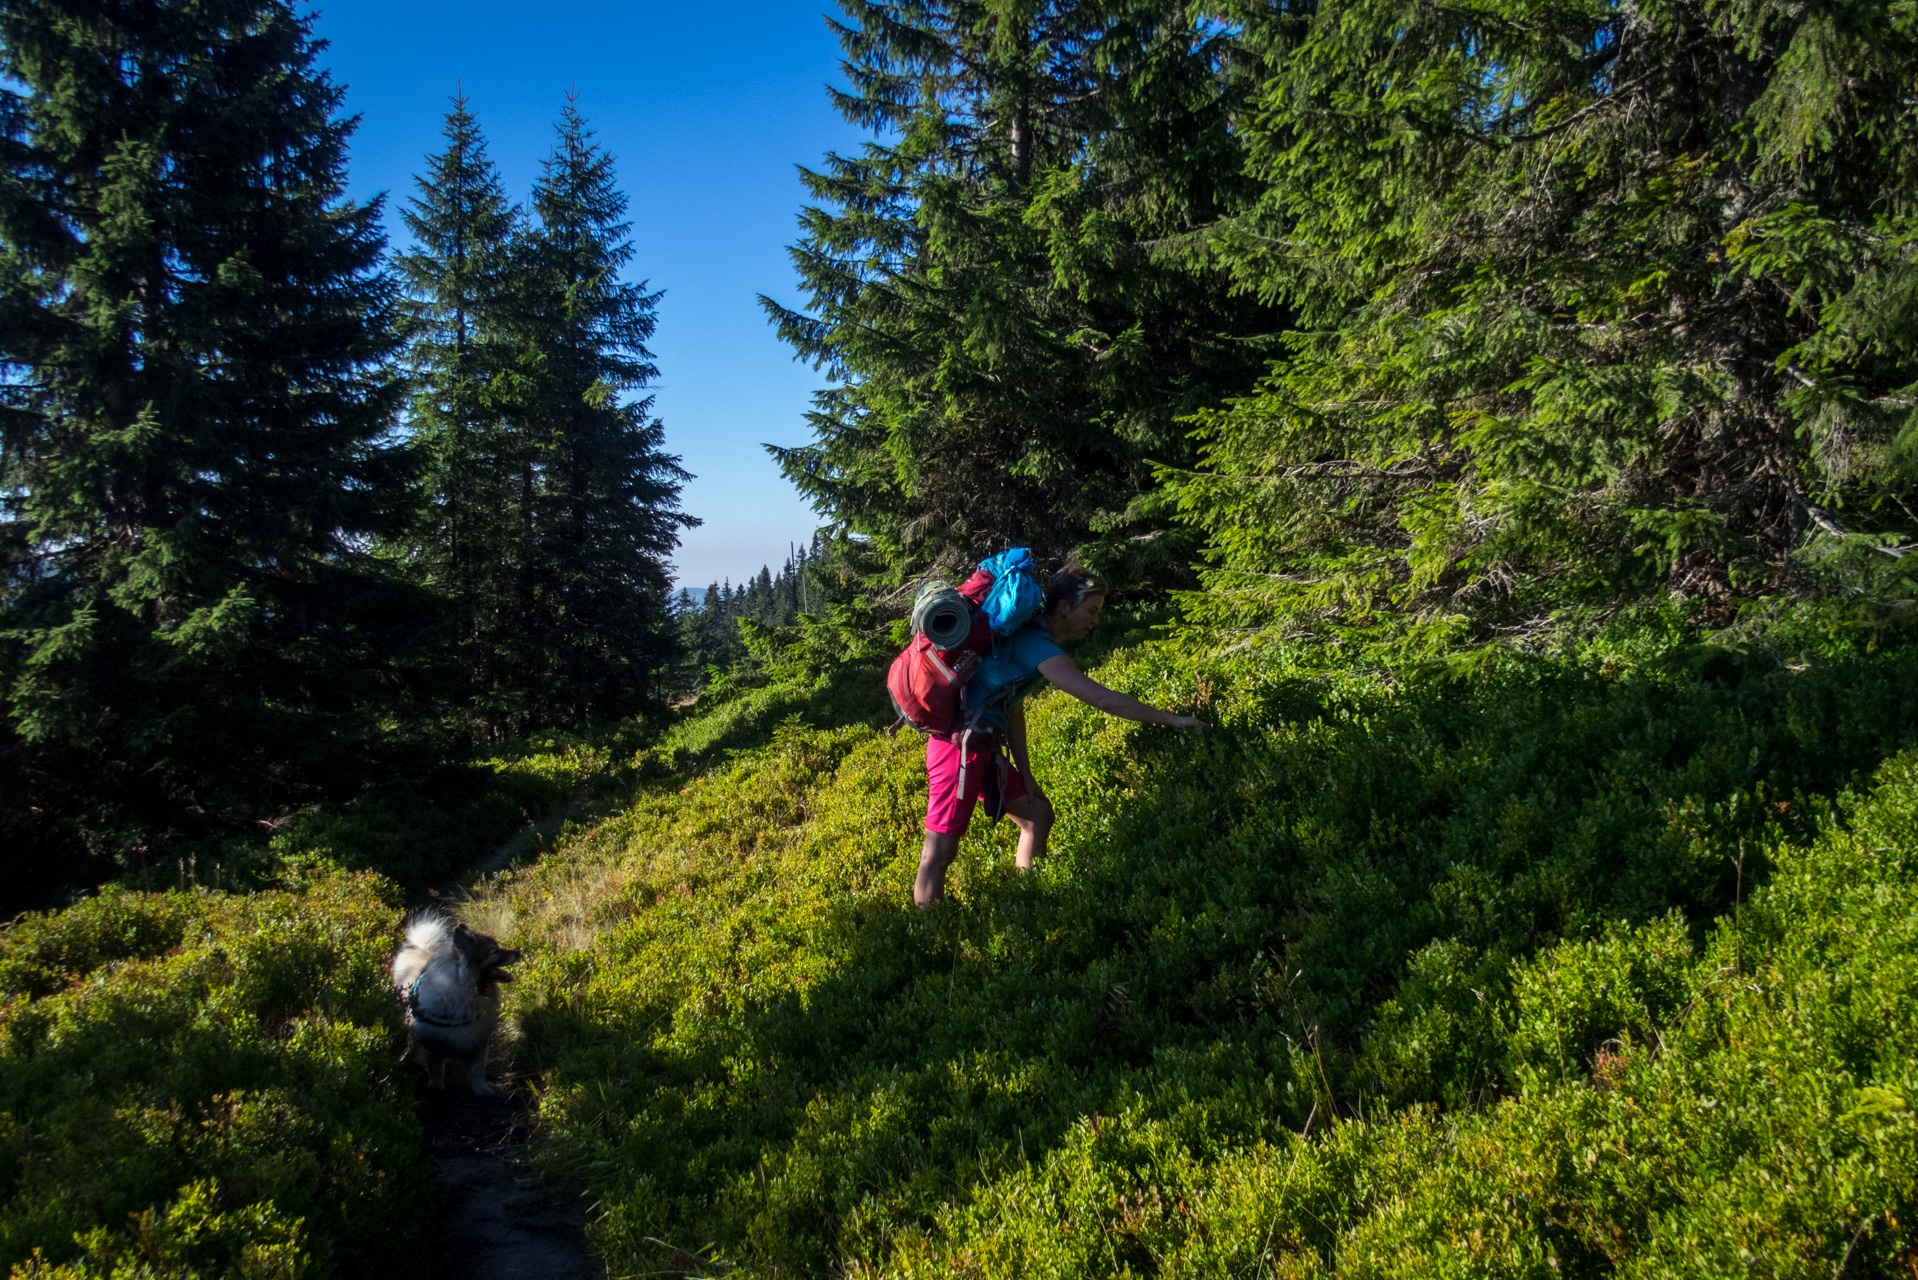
(709, 626)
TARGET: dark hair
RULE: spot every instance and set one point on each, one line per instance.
(1070, 587)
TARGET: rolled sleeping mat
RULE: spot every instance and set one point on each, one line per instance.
(942, 615)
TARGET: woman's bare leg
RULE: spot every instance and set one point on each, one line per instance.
(1033, 816)
(940, 848)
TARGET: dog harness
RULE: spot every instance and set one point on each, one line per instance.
(421, 1015)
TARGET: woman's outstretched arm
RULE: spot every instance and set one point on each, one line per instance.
(1069, 679)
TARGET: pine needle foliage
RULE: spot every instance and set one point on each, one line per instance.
(596, 493)
(459, 279)
(1596, 301)
(196, 341)
(551, 505)
(1000, 287)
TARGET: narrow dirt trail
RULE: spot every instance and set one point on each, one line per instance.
(495, 1216)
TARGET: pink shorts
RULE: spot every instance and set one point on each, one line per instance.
(948, 811)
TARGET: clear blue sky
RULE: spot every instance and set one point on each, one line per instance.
(706, 112)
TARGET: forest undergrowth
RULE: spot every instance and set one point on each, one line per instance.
(1588, 962)
(200, 1083)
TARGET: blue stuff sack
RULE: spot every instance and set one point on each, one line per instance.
(1014, 597)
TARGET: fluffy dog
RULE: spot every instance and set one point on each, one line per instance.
(449, 976)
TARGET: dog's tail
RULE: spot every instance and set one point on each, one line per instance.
(429, 936)
(431, 932)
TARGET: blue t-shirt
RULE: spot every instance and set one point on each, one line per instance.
(1012, 666)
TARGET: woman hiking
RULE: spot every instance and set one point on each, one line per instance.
(957, 773)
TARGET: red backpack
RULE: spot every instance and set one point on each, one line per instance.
(925, 682)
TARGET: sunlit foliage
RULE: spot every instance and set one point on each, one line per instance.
(1597, 302)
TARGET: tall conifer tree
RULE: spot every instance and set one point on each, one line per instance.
(459, 276)
(1004, 286)
(598, 492)
(200, 335)
(1601, 303)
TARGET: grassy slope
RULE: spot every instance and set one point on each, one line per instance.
(1458, 933)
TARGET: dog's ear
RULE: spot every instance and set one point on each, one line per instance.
(475, 946)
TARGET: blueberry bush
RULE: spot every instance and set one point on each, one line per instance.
(1587, 960)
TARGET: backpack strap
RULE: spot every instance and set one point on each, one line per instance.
(963, 739)
(973, 726)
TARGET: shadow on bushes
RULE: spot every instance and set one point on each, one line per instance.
(198, 1083)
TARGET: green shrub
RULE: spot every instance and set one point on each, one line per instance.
(420, 832)
(193, 1236)
(1366, 894)
(42, 953)
(1440, 1032)
(204, 1083)
(1583, 1002)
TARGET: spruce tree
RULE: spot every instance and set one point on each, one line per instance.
(710, 632)
(1007, 288)
(1600, 303)
(598, 493)
(198, 339)
(765, 602)
(459, 276)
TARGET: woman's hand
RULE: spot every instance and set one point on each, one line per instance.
(1183, 723)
